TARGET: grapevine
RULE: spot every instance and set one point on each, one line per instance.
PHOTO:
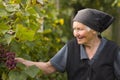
(7, 58)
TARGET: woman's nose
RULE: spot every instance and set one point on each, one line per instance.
(76, 32)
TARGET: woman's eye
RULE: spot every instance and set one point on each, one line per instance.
(80, 29)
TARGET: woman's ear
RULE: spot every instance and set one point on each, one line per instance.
(94, 32)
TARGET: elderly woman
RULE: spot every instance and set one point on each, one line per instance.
(88, 56)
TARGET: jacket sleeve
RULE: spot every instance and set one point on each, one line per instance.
(117, 65)
(59, 60)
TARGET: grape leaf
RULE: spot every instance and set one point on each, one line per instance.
(24, 33)
(32, 71)
(15, 75)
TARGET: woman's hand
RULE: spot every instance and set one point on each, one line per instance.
(25, 62)
(19, 60)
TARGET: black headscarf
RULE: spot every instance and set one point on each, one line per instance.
(95, 19)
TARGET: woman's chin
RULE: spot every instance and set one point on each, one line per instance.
(79, 42)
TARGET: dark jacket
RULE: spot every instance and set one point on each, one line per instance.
(101, 69)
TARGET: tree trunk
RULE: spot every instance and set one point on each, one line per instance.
(116, 28)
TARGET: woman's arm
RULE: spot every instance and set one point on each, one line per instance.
(46, 67)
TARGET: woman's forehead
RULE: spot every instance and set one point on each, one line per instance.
(78, 24)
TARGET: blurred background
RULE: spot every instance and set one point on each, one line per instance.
(37, 29)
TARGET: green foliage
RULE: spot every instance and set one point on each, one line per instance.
(32, 71)
(22, 32)
(31, 29)
(15, 75)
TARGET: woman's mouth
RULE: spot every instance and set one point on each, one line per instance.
(80, 37)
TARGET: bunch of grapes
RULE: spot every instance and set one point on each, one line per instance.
(8, 58)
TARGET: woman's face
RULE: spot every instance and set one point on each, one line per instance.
(83, 33)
